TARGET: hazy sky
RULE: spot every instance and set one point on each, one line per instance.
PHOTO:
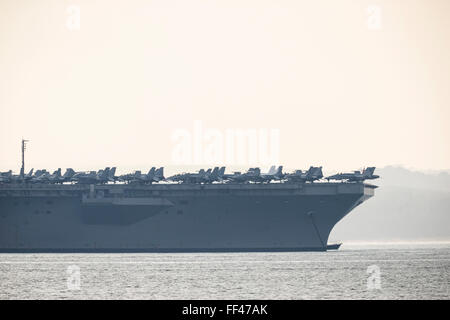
(342, 91)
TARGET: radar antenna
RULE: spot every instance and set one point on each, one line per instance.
(24, 146)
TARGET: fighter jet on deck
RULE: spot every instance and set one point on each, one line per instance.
(252, 175)
(67, 176)
(85, 177)
(40, 176)
(313, 174)
(187, 177)
(130, 177)
(9, 177)
(153, 175)
(367, 174)
(273, 174)
(5, 177)
(92, 177)
(202, 176)
(220, 175)
(28, 176)
(55, 177)
(158, 175)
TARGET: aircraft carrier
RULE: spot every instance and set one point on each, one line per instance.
(189, 212)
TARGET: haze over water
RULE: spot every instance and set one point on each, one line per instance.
(411, 271)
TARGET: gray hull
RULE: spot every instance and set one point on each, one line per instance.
(172, 218)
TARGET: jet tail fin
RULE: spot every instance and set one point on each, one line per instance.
(160, 173)
(69, 173)
(279, 171)
(151, 172)
(272, 170)
(369, 171)
(319, 173)
(112, 173)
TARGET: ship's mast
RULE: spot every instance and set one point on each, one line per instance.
(24, 146)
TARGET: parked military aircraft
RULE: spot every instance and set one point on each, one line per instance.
(85, 177)
(273, 174)
(311, 175)
(153, 175)
(91, 177)
(9, 177)
(107, 175)
(367, 174)
(202, 176)
(55, 177)
(219, 177)
(67, 176)
(6, 176)
(28, 176)
(214, 175)
(130, 176)
(158, 175)
(148, 178)
(187, 177)
(252, 175)
(40, 176)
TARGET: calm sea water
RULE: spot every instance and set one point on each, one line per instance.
(358, 272)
